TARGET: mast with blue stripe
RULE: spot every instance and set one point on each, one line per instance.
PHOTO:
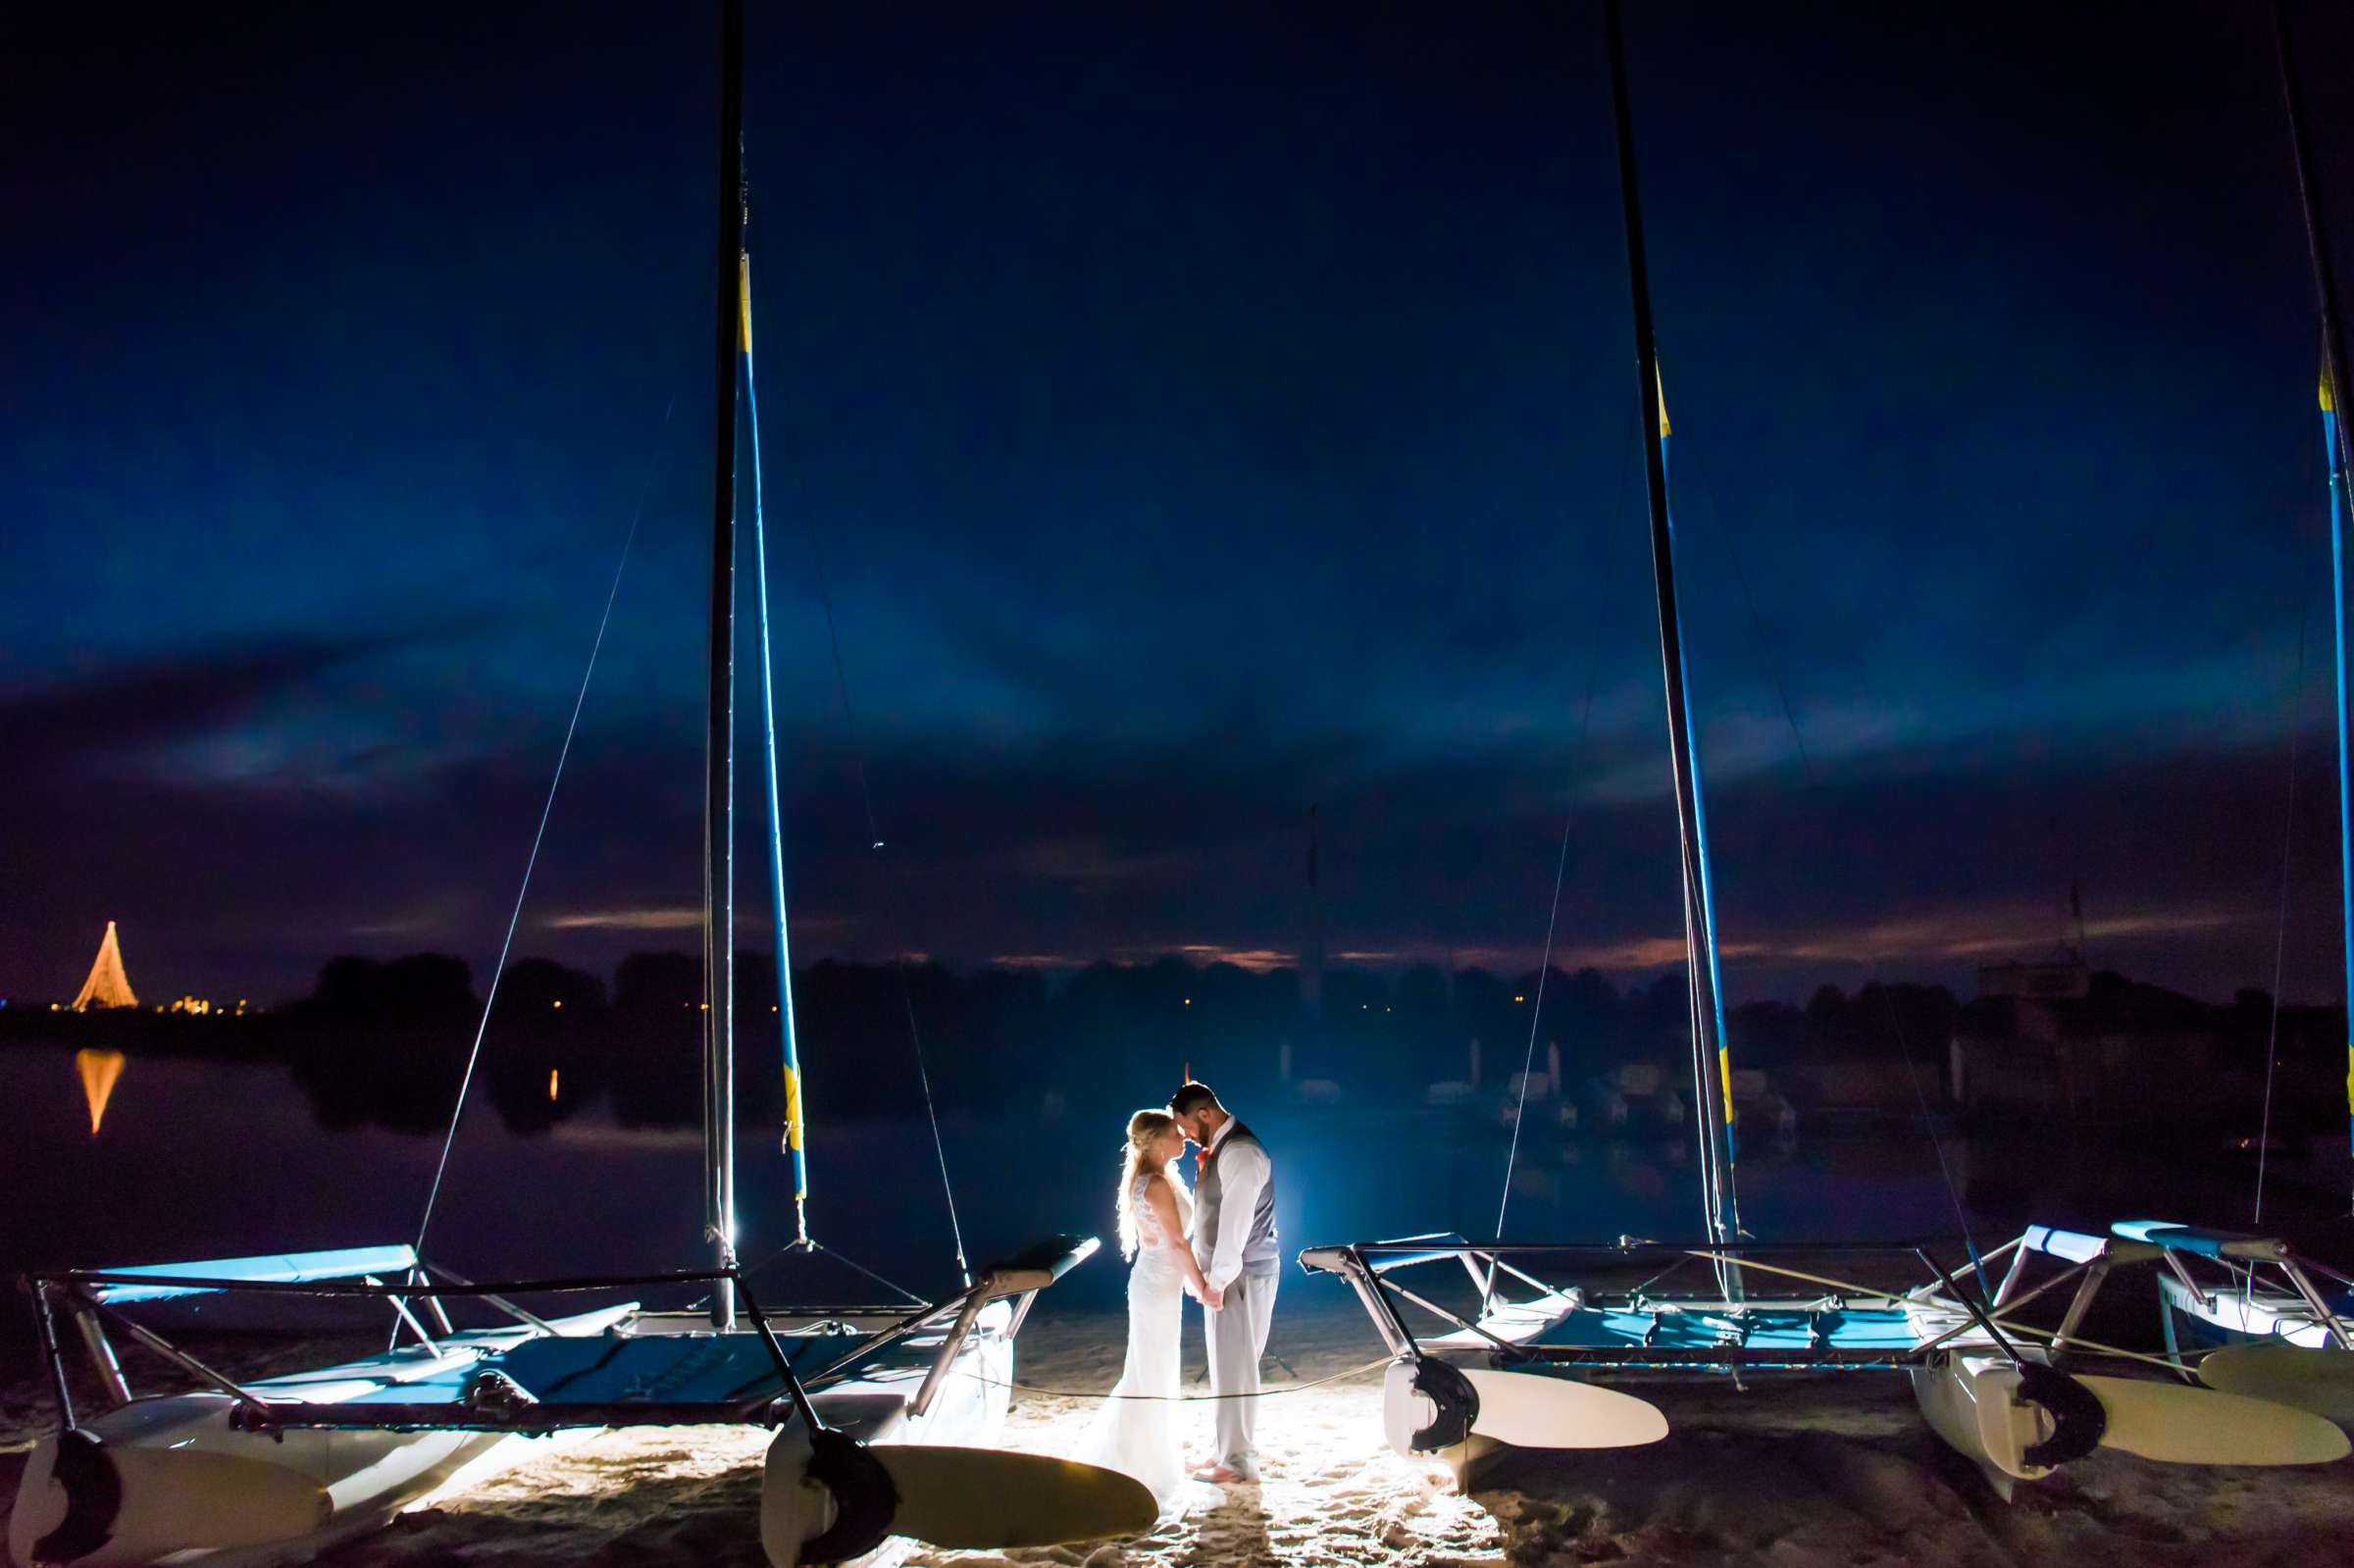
(719, 757)
(2333, 448)
(2334, 402)
(1711, 1063)
(794, 1141)
(1708, 995)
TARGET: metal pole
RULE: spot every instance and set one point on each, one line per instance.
(2331, 437)
(1700, 938)
(794, 1130)
(2317, 236)
(2334, 405)
(719, 806)
(53, 1355)
(102, 1357)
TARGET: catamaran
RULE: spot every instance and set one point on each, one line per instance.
(1989, 1383)
(2247, 1315)
(2245, 1311)
(882, 1414)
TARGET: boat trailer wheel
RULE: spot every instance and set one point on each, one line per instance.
(2078, 1419)
(93, 1498)
(864, 1498)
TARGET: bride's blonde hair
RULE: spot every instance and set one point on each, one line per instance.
(1143, 1127)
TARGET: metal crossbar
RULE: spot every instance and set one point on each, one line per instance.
(254, 1412)
(1359, 1264)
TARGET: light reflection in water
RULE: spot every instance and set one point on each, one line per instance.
(99, 1072)
(222, 1159)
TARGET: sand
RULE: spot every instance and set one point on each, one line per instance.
(1832, 1473)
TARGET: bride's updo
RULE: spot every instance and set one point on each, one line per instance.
(1143, 1127)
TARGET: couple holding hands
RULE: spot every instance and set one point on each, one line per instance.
(1216, 1244)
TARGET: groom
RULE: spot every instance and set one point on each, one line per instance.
(1234, 1240)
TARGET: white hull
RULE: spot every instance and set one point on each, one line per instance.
(361, 1478)
(282, 1498)
(2230, 1317)
(1971, 1401)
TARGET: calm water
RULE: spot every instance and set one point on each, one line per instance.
(212, 1159)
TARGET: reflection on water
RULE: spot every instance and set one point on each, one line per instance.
(98, 1072)
(212, 1159)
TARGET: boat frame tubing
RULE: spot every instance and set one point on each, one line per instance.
(52, 1354)
(221, 1382)
(254, 1413)
(567, 1283)
(2333, 1325)
(1359, 1263)
(554, 1415)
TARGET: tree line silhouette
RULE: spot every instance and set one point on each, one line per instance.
(385, 1042)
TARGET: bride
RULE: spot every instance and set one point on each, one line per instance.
(1139, 1434)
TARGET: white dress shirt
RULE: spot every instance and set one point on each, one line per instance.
(1242, 1173)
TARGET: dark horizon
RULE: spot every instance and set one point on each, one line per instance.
(1200, 419)
(755, 967)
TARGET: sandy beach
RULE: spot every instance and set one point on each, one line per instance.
(1832, 1473)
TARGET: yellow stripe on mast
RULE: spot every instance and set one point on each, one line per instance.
(743, 302)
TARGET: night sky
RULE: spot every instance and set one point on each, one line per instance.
(1200, 414)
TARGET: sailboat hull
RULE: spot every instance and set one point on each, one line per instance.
(172, 1477)
(170, 1474)
(1973, 1404)
(2211, 1320)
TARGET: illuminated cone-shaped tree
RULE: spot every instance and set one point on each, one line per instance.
(107, 986)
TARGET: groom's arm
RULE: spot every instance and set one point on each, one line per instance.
(1242, 1173)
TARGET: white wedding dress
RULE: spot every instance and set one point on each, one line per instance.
(1140, 1435)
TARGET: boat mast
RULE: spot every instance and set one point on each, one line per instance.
(2334, 404)
(795, 1141)
(719, 805)
(1713, 1112)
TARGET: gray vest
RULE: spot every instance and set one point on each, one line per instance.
(1258, 1248)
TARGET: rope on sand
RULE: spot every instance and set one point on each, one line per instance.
(1180, 1398)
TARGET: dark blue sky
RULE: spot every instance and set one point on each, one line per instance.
(1202, 414)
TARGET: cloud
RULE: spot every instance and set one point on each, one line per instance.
(1923, 860)
(272, 710)
(683, 917)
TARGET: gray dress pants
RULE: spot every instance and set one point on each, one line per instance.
(1238, 1337)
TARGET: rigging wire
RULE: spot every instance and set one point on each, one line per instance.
(813, 1249)
(1177, 1399)
(796, 1119)
(2271, 1041)
(1953, 1192)
(547, 808)
(1560, 868)
(875, 842)
(1757, 621)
